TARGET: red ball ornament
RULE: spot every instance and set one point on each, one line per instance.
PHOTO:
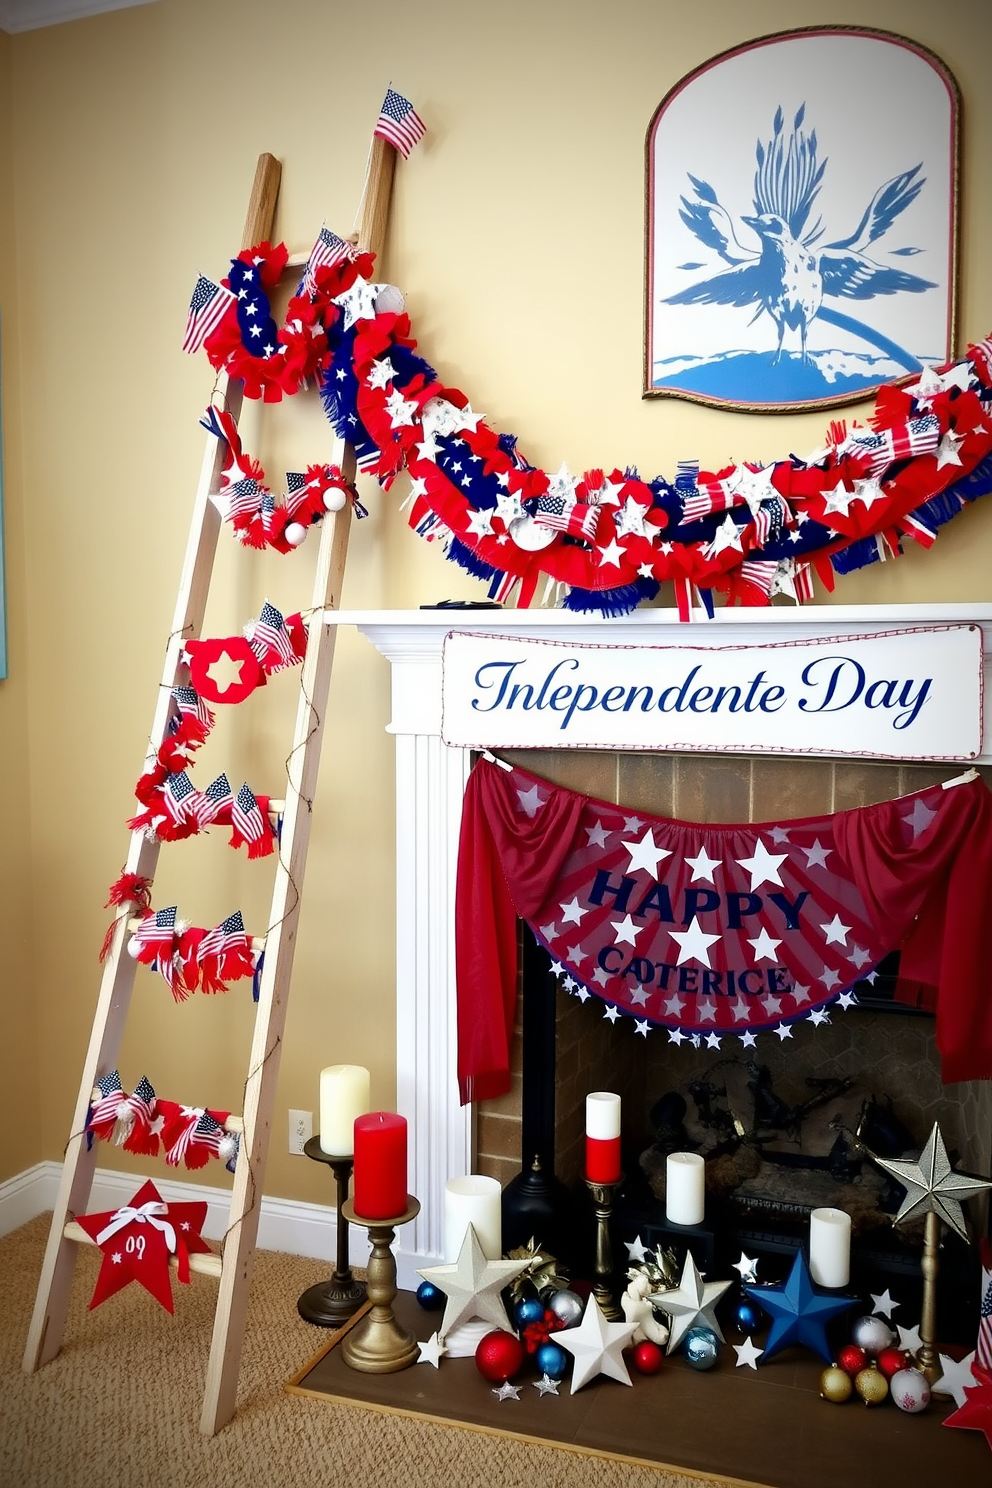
(648, 1357)
(852, 1359)
(891, 1360)
(499, 1356)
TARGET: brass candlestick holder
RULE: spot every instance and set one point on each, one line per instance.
(602, 1290)
(377, 1344)
(926, 1356)
(331, 1303)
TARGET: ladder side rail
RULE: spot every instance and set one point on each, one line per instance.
(55, 1282)
(220, 1396)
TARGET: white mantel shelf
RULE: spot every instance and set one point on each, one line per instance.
(430, 784)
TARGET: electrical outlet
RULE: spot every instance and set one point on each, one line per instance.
(300, 1131)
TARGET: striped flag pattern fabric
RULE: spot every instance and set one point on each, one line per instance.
(399, 123)
(983, 1348)
(328, 250)
(206, 311)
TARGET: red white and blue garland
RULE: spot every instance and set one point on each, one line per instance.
(603, 542)
(145, 1123)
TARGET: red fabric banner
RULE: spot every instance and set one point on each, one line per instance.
(708, 930)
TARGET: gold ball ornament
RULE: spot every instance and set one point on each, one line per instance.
(835, 1385)
(871, 1385)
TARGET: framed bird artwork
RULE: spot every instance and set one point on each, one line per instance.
(801, 235)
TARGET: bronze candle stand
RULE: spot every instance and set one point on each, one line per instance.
(377, 1344)
(602, 1290)
(331, 1303)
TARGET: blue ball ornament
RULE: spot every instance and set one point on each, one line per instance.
(530, 1310)
(701, 1347)
(430, 1297)
(551, 1360)
(747, 1316)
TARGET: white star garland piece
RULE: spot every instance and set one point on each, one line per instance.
(472, 1286)
(957, 1377)
(431, 1351)
(747, 1353)
(596, 1346)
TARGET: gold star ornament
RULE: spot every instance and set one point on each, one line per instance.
(931, 1184)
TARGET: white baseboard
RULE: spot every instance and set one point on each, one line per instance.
(290, 1225)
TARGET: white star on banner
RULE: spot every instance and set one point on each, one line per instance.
(830, 978)
(919, 818)
(642, 1026)
(772, 1005)
(712, 1041)
(835, 932)
(784, 1031)
(600, 977)
(625, 930)
(572, 912)
(706, 1012)
(548, 931)
(632, 824)
(646, 854)
(531, 800)
(597, 835)
(612, 1013)
(764, 866)
(816, 856)
(676, 1036)
(702, 865)
(673, 1005)
(819, 1016)
(846, 999)
(740, 1009)
(764, 946)
(748, 1039)
(694, 943)
(799, 992)
(639, 997)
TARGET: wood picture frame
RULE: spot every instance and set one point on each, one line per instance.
(802, 221)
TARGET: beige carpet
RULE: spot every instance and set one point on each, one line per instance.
(121, 1403)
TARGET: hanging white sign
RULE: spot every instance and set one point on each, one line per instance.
(914, 693)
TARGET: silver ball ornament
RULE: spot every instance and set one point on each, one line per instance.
(910, 1391)
(701, 1347)
(872, 1334)
(568, 1306)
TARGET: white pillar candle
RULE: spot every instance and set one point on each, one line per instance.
(345, 1092)
(472, 1200)
(830, 1247)
(602, 1116)
(685, 1194)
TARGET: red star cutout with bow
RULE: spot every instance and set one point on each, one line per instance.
(138, 1240)
(976, 1413)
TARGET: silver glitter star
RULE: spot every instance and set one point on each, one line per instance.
(546, 1385)
(932, 1184)
(506, 1391)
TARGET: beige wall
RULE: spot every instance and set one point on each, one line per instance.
(517, 235)
(20, 994)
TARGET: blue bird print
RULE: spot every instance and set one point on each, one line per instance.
(786, 275)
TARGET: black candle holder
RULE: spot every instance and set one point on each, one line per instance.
(331, 1303)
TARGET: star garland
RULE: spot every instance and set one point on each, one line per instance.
(608, 541)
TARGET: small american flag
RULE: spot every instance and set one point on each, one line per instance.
(760, 572)
(981, 357)
(573, 517)
(206, 311)
(176, 797)
(246, 817)
(191, 705)
(919, 436)
(269, 633)
(104, 1106)
(243, 497)
(297, 491)
(216, 796)
(328, 250)
(399, 123)
(983, 1348)
(229, 935)
(136, 1108)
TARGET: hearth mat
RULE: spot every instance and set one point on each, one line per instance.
(765, 1427)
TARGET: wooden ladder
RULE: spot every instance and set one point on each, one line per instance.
(233, 1268)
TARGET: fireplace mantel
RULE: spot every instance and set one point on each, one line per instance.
(430, 782)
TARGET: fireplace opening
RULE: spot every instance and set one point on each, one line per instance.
(782, 1125)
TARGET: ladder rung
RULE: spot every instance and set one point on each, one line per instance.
(205, 1265)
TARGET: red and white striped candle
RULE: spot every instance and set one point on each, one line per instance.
(603, 1137)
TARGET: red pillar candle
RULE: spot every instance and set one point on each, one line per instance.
(603, 1137)
(380, 1165)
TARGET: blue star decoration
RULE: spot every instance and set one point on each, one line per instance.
(799, 1312)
